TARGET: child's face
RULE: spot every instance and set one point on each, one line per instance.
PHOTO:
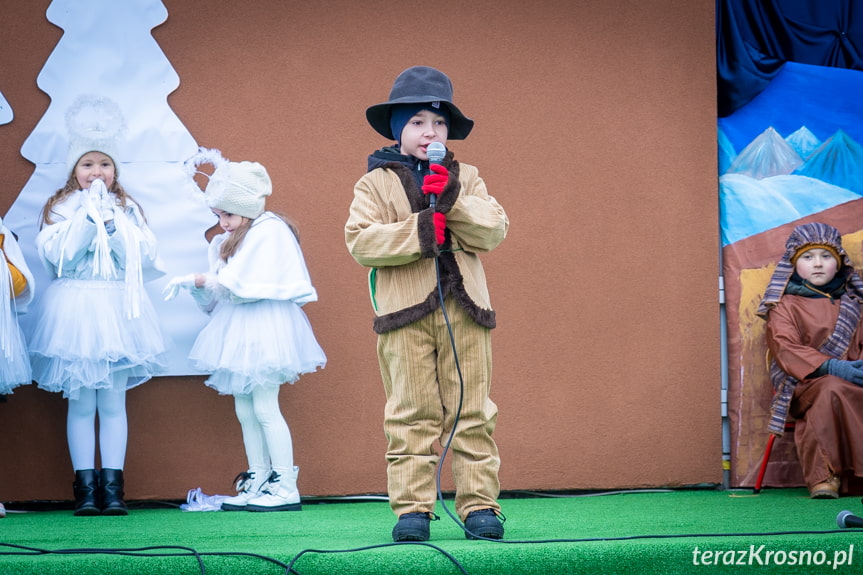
(92, 166)
(229, 222)
(420, 131)
(817, 266)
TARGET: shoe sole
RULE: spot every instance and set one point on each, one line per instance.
(288, 507)
(401, 538)
(825, 495)
(231, 507)
(477, 536)
(87, 512)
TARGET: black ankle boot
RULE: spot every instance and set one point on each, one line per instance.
(111, 486)
(86, 490)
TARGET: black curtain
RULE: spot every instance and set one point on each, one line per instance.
(754, 38)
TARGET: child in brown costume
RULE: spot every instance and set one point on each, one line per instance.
(812, 307)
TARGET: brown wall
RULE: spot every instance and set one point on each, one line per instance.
(595, 128)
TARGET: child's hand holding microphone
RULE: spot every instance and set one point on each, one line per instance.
(433, 184)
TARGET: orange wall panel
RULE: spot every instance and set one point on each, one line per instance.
(595, 129)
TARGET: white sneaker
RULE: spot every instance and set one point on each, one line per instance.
(279, 494)
(249, 484)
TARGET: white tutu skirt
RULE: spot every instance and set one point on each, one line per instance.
(83, 339)
(266, 342)
(14, 361)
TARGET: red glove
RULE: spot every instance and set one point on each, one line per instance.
(439, 227)
(435, 183)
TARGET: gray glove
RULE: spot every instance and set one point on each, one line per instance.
(848, 370)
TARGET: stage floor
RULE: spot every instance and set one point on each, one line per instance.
(661, 532)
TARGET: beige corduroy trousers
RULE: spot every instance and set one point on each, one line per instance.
(423, 390)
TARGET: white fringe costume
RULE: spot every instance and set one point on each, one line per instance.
(14, 359)
(97, 326)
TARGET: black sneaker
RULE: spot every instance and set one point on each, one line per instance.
(483, 523)
(413, 526)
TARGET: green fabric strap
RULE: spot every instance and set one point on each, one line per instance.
(372, 287)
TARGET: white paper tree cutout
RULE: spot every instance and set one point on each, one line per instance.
(107, 49)
(5, 111)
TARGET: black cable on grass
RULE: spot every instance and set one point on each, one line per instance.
(446, 554)
(180, 551)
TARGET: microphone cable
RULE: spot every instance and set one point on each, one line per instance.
(436, 152)
(457, 416)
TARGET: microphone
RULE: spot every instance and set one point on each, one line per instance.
(846, 520)
(436, 152)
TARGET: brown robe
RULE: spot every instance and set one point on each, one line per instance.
(828, 409)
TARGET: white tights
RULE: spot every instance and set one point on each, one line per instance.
(265, 432)
(110, 404)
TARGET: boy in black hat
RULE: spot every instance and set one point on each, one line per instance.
(420, 251)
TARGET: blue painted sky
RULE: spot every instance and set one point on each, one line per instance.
(822, 99)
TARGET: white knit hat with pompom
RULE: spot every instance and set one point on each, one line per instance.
(239, 188)
(94, 124)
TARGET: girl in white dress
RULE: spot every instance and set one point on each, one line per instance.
(258, 337)
(96, 333)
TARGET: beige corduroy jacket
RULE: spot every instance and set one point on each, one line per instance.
(390, 230)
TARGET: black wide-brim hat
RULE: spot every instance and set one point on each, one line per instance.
(420, 85)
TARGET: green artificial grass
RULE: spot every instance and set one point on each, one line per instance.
(778, 531)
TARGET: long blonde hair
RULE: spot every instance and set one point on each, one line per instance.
(232, 244)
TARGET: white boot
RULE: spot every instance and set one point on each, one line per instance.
(249, 484)
(279, 494)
